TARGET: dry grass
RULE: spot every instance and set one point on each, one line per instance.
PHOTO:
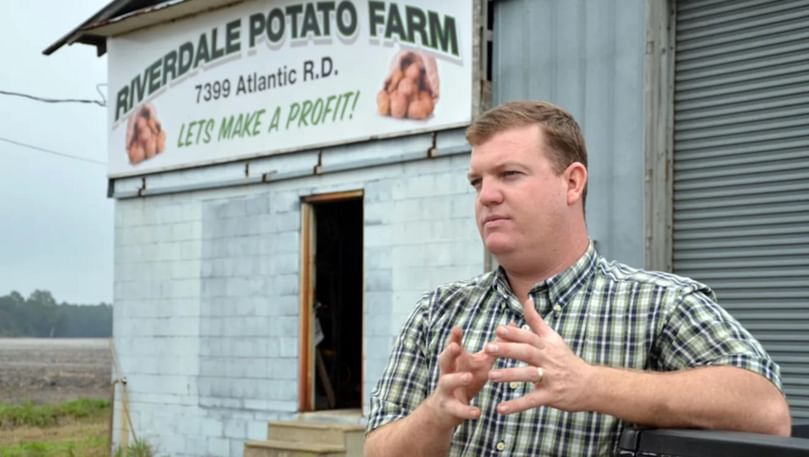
(40, 382)
(69, 430)
(86, 437)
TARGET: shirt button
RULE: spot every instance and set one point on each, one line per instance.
(557, 309)
(500, 446)
(514, 385)
(526, 327)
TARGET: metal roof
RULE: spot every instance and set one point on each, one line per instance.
(124, 16)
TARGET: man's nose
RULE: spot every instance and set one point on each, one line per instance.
(490, 193)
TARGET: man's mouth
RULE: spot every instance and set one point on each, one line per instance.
(493, 218)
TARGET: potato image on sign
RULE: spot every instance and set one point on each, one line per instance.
(145, 137)
(411, 87)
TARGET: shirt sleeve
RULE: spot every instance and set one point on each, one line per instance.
(404, 383)
(699, 332)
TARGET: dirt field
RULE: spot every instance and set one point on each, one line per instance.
(54, 370)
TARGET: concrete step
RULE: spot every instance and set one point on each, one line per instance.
(314, 432)
(279, 448)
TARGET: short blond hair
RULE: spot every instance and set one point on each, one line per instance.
(564, 140)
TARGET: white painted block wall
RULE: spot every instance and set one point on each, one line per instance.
(206, 294)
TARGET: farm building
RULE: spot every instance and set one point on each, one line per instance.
(277, 215)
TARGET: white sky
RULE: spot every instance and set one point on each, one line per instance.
(56, 223)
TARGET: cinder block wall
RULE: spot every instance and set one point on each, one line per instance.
(206, 294)
(419, 232)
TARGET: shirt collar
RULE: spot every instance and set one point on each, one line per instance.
(565, 285)
(558, 289)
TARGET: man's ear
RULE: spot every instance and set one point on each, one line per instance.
(576, 177)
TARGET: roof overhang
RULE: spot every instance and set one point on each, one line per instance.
(125, 16)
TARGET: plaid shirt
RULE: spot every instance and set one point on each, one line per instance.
(608, 313)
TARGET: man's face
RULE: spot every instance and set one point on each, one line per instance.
(520, 201)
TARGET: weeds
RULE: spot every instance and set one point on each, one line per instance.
(86, 446)
(139, 448)
(29, 414)
(71, 429)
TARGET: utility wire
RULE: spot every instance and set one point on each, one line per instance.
(54, 100)
(102, 94)
(49, 151)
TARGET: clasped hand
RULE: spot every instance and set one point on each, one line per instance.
(559, 376)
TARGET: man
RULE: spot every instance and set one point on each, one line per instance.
(556, 350)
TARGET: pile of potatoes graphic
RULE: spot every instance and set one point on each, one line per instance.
(145, 137)
(411, 89)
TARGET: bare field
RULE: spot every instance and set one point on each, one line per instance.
(54, 370)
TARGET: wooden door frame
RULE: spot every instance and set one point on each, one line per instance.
(306, 367)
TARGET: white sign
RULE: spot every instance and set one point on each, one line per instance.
(273, 76)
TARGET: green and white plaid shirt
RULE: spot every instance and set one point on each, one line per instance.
(608, 313)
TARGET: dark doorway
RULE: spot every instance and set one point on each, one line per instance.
(338, 283)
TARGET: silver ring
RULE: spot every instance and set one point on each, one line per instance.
(540, 374)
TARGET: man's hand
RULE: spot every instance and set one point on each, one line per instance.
(712, 397)
(428, 430)
(461, 376)
(404, 60)
(145, 136)
(411, 87)
(564, 379)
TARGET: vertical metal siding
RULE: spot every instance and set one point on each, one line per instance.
(587, 56)
(741, 169)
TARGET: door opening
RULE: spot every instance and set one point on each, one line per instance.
(335, 303)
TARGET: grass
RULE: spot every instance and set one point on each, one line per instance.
(84, 440)
(139, 448)
(72, 429)
(31, 415)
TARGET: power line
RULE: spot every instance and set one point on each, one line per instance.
(49, 151)
(53, 100)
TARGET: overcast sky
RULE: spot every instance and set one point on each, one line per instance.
(56, 231)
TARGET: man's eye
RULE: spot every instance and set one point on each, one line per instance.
(510, 173)
(475, 183)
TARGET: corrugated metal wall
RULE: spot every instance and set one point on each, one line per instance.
(741, 169)
(586, 56)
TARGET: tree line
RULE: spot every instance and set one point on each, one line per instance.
(40, 316)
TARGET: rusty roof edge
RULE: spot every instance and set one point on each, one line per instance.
(95, 30)
(129, 14)
(165, 12)
(71, 37)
